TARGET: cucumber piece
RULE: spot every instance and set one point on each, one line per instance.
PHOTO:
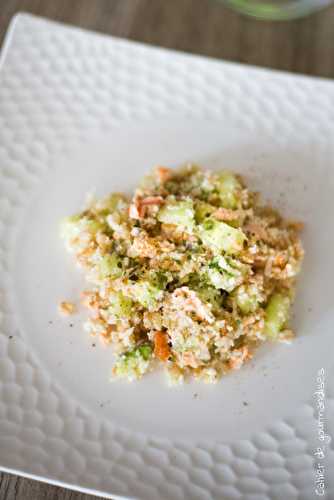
(224, 276)
(133, 364)
(221, 237)
(145, 351)
(228, 189)
(210, 295)
(146, 294)
(121, 306)
(203, 211)
(71, 227)
(276, 314)
(248, 298)
(110, 266)
(180, 213)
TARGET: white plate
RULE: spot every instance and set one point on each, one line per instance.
(80, 110)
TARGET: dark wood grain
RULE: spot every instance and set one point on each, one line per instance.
(200, 26)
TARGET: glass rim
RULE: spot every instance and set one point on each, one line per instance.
(293, 10)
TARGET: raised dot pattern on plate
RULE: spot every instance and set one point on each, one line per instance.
(42, 431)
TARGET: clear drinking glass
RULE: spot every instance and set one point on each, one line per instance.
(277, 9)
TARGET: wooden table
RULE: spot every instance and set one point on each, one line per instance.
(199, 26)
